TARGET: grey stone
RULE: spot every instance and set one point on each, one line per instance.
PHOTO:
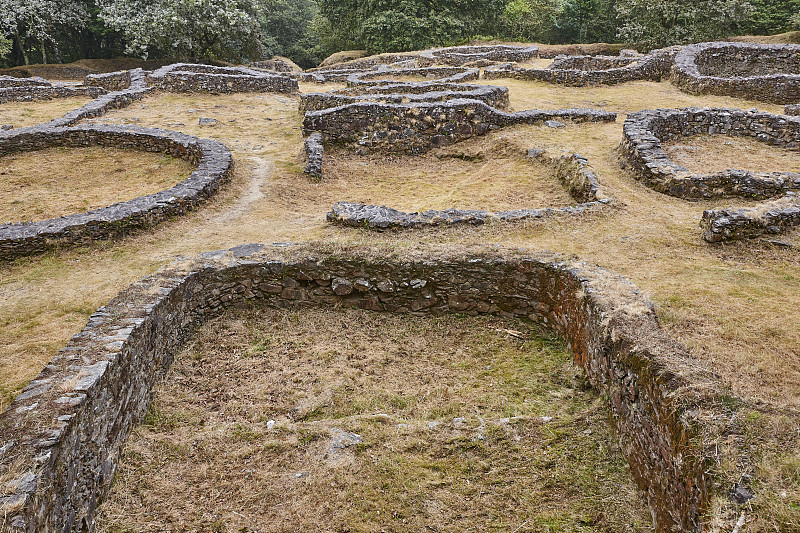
(554, 124)
(206, 121)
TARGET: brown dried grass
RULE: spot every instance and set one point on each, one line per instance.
(23, 114)
(706, 154)
(448, 409)
(57, 181)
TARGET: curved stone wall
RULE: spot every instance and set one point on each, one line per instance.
(572, 170)
(418, 127)
(187, 77)
(577, 71)
(61, 437)
(770, 73)
(644, 131)
(436, 74)
(406, 93)
(463, 55)
(214, 166)
(11, 81)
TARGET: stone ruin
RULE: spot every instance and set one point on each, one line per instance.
(770, 73)
(572, 170)
(644, 131)
(65, 431)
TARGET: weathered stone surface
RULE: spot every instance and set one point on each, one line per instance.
(463, 55)
(644, 131)
(740, 223)
(65, 439)
(214, 166)
(187, 77)
(766, 72)
(578, 71)
(572, 170)
(418, 127)
(314, 153)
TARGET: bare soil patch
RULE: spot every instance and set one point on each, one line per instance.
(23, 114)
(63, 181)
(345, 420)
(706, 154)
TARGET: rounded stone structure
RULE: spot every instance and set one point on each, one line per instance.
(644, 131)
(60, 439)
(188, 77)
(213, 161)
(766, 72)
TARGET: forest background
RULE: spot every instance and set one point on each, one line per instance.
(307, 31)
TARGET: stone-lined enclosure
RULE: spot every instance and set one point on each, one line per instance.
(572, 170)
(645, 131)
(214, 166)
(63, 434)
(770, 73)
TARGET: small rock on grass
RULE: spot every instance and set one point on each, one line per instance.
(205, 121)
(554, 124)
(6, 127)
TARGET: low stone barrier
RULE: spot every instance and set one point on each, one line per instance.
(486, 54)
(47, 92)
(439, 74)
(741, 223)
(418, 127)
(60, 439)
(212, 159)
(770, 73)
(644, 131)
(314, 152)
(274, 65)
(10, 81)
(572, 170)
(577, 71)
(111, 81)
(406, 93)
(186, 77)
(792, 109)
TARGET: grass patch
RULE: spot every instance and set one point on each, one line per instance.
(448, 413)
(62, 181)
(706, 154)
(23, 114)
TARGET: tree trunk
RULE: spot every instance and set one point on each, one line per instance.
(21, 47)
(44, 53)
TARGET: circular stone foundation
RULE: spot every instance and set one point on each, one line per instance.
(212, 160)
(188, 77)
(766, 72)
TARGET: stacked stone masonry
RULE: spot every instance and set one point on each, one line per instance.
(572, 170)
(418, 127)
(64, 432)
(186, 77)
(212, 159)
(644, 132)
(577, 71)
(743, 223)
(483, 55)
(770, 73)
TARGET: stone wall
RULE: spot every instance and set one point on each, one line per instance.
(644, 131)
(572, 170)
(578, 71)
(274, 65)
(214, 166)
(770, 73)
(418, 127)
(60, 439)
(186, 77)
(792, 109)
(742, 223)
(439, 74)
(10, 81)
(491, 95)
(111, 81)
(486, 54)
(47, 92)
(314, 152)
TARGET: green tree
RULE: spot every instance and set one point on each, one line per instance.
(531, 20)
(287, 30)
(667, 22)
(771, 16)
(192, 29)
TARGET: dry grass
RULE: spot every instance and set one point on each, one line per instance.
(790, 37)
(58, 181)
(23, 114)
(449, 412)
(493, 175)
(714, 153)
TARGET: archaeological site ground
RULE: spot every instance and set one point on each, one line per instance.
(481, 288)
